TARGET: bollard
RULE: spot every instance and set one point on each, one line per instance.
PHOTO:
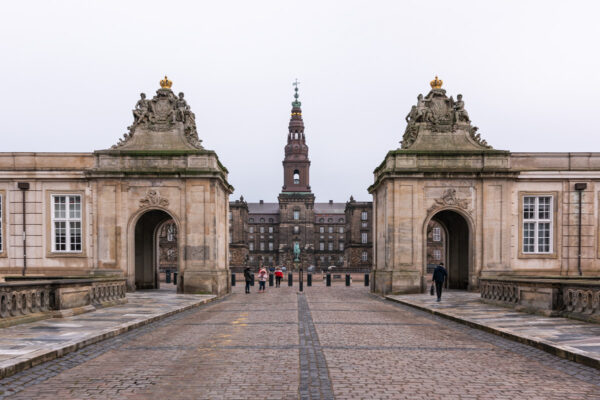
(309, 279)
(232, 279)
(290, 279)
(367, 279)
(328, 280)
(270, 279)
(174, 278)
(252, 279)
(168, 276)
(347, 279)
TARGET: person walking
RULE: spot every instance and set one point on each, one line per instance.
(262, 280)
(278, 276)
(248, 278)
(439, 276)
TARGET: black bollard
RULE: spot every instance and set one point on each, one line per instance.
(366, 279)
(290, 279)
(347, 279)
(309, 279)
(174, 278)
(168, 276)
(232, 279)
(328, 280)
(252, 279)
(270, 279)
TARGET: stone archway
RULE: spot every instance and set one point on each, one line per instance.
(457, 247)
(146, 248)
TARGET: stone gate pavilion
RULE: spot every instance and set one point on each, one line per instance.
(101, 213)
(510, 219)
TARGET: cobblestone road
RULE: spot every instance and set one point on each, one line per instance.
(334, 342)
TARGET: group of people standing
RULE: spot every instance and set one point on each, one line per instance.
(263, 276)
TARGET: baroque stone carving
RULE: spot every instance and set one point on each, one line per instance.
(162, 113)
(437, 113)
(449, 198)
(153, 198)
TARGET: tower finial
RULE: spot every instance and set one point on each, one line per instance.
(296, 103)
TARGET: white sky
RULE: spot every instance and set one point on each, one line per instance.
(72, 71)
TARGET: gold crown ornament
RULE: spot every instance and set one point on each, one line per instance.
(435, 84)
(166, 83)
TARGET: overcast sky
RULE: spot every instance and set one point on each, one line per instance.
(72, 71)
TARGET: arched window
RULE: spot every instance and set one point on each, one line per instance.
(296, 135)
(329, 219)
(296, 177)
(271, 220)
(262, 220)
(341, 220)
(321, 219)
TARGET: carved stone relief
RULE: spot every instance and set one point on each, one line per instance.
(153, 198)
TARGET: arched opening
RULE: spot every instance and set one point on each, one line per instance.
(147, 248)
(449, 241)
(296, 177)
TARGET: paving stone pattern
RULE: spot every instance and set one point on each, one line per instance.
(281, 345)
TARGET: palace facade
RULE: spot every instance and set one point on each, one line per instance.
(329, 234)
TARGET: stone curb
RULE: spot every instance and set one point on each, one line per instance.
(546, 346)
(49, 355)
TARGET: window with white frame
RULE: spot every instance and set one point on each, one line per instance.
(437, 254)
(321, 246)
(341, 229)
(363, 237)
(363, 216)
(321, 229)
(364, 256)
(341, 246)
(437, 234)
(537, 224)
(66, 223)
(262, 246)
(331, 229)
(270, 246)
(251, 246)
(296, 229)
(262, 229)
(364, 224)
(270, 229)
(330, 246)
(251, 229)
(296, 214)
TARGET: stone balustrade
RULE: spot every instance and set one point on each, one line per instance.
(577, 297)
(21, 297)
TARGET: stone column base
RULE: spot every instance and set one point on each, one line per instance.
(396, 282)
(204, 282)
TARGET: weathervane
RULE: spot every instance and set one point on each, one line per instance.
(296, 103)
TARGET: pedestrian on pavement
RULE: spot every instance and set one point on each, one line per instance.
(278, 276)
(262, 280)
(248, 278)
(439, 276)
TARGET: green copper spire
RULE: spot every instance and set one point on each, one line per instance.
(296, 103)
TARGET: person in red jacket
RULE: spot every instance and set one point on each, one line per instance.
(278, 276)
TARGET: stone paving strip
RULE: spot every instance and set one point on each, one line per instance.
(27, 345)
(567, 338)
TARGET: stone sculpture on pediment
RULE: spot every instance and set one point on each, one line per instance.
(438, 122)
(163, 113)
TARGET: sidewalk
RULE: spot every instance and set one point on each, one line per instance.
(567, 338)
(26, 345)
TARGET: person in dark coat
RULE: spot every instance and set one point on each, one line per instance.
(439, 276)
(248, 278)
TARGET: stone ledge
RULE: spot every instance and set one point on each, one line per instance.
(590, 360)
(12, 366)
